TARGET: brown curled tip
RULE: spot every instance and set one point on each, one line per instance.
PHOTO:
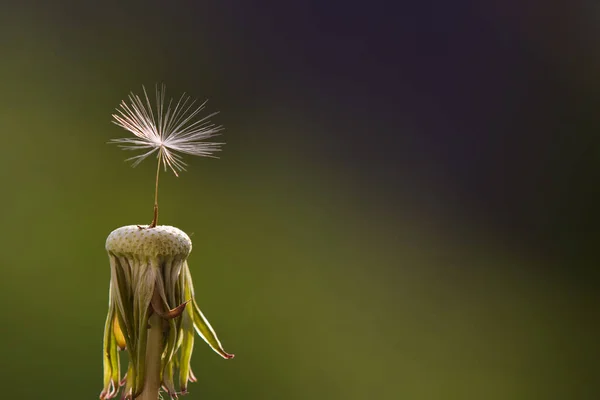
(174, 313)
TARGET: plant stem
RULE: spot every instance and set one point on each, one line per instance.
(155, 219)
(152, 382)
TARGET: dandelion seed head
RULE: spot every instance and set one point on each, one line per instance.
(169, 129)
(151, 286)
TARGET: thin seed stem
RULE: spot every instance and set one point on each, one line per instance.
(155, 219)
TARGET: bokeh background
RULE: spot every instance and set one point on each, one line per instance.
(406, 207)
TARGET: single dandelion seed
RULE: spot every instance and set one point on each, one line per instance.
(169, 130)
(152, 311)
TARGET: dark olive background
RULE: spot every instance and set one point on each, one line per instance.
(406, 207)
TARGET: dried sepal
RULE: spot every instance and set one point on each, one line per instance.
(129, 383)
(167, 380)
(187, 342)
(111, 356)
(143, 289)
(201, 324)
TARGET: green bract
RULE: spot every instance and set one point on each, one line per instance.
(150, 274)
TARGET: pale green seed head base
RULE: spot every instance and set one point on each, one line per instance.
(140, 242)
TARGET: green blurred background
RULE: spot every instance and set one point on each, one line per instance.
(406, 206)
